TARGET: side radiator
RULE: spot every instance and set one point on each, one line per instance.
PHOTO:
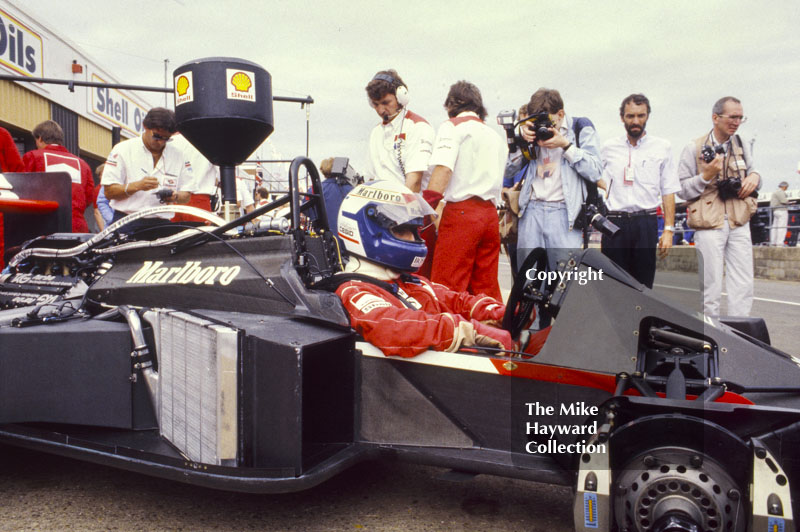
(197, 401)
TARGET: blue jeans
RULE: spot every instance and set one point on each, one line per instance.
(544, 224)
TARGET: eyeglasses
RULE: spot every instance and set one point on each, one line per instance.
(736, 118)
(160, 137)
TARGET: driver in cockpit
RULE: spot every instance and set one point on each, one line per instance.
(401, 313)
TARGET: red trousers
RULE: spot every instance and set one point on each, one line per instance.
(202, 201)
(468, 248)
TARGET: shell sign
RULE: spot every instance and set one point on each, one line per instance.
(240, 85)
(184, 88)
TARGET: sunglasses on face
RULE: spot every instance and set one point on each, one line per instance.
(156, 136)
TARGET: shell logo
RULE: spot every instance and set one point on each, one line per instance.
(241, 82)
(182, 85)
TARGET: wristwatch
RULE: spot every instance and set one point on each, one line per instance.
(669, 228)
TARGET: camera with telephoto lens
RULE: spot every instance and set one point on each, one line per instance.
(708, 153)
(591, 216)
(164, 194)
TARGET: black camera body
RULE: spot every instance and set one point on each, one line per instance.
(727, 188)
(164, 194)
(708, 153)
(730, 188)
(542, 125)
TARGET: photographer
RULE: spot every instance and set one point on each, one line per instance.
(718, 180)
(640, 173)
(554, 189)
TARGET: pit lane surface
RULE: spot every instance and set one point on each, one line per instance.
(40, 492)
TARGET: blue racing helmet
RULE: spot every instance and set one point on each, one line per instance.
(369, 215)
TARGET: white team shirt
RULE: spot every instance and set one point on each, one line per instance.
(408, 138)
(130, 161)
(475, 153)
(652, 173)
(205, 175)
(245, 186)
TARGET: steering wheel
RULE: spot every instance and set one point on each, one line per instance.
(525, 294)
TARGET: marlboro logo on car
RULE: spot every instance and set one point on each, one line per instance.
(153, 272)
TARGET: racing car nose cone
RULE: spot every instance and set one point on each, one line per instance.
(223, 106)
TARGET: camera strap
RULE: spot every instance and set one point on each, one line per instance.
(738, 144)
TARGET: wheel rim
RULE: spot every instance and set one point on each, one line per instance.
(674, 489)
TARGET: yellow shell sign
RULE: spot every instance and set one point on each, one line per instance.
(240, 85)
(241, 82)
(182, 85)
(184, 88)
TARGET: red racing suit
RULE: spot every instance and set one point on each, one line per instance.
(423, 315)
(10, 161)
(55, 158)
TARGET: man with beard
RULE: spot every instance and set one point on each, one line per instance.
(640, 175)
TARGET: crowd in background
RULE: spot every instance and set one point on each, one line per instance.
(550, 168)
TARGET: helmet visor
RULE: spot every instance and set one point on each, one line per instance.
(390, 215)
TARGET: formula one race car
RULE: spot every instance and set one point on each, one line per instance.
(213, 357)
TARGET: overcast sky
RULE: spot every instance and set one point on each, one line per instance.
(683, 55)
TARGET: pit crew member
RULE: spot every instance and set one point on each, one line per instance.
(468, 160)
(400, 146)
(52, 156)
(137, 168)
(10, 161)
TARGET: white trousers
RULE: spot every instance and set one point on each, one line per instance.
(777, 234)
(732, 248)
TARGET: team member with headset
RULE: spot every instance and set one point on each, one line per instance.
(400, 146)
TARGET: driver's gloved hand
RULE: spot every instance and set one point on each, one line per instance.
(492, 337)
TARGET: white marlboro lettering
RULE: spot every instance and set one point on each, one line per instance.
(191, 272)
(187, 273)
(147, 268)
